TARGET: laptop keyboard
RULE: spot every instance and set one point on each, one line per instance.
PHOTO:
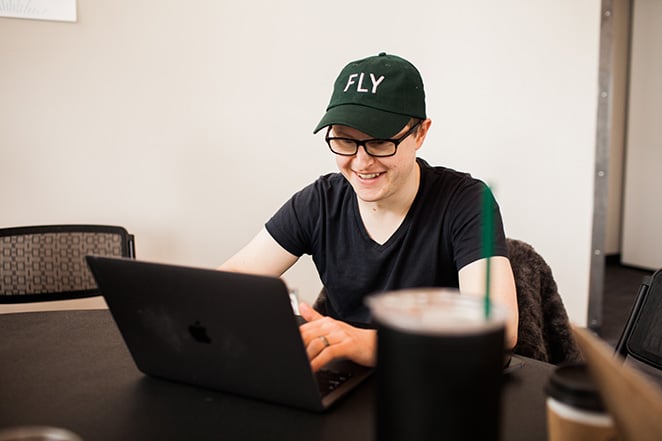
(329, 380)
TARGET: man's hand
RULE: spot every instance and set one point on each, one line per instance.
(327, 339)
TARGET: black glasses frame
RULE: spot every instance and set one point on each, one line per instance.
(362, 142)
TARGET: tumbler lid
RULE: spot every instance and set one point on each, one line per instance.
(435, 311)
(572, 384)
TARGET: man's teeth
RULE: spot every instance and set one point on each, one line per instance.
(368, 175)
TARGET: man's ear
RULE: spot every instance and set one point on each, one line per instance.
(422, 132)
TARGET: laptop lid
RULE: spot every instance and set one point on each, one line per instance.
(226, 331)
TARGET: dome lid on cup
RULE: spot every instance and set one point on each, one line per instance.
(573, 385)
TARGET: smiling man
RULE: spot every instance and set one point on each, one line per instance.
(387, 221)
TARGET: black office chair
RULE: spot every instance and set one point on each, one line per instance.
(43, 263)
(641, 338)
(544, 331)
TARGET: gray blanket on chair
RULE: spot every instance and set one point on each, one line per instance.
(544, 329)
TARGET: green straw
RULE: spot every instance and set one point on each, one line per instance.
(487, 241)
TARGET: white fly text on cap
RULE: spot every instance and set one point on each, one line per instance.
(359, 86)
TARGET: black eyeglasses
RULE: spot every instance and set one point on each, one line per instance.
(379, 148)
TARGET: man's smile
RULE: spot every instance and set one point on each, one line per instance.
(369, 175)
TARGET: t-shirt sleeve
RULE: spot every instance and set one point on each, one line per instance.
(468, 225)
(293, 224)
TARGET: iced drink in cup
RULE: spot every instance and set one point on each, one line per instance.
(439, 365)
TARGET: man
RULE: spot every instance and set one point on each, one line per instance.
(387, 221)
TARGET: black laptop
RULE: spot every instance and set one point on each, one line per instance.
(219, 330)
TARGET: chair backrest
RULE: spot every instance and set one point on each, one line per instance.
(642, 335)
(544, 331)
(40, 263)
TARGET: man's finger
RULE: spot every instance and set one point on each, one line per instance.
(308, 313)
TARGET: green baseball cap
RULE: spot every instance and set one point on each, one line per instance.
(376, 95)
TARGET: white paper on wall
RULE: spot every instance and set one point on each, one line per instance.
(59, 10)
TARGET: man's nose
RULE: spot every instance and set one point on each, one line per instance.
(362, 155)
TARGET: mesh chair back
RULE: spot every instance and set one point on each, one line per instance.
(645, 341)
(48, 262)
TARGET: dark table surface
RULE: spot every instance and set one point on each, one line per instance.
(71, 369)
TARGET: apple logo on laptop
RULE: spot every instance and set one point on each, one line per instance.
(199, 332)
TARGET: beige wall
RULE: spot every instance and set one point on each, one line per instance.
(620, 70)
(189, 123)
(642, 241)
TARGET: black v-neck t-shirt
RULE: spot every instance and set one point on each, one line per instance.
(440, 234)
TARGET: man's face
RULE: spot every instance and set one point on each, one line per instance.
(377, 179)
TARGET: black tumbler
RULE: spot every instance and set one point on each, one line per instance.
(439, 366)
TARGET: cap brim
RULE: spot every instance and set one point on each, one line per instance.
(373, 122)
